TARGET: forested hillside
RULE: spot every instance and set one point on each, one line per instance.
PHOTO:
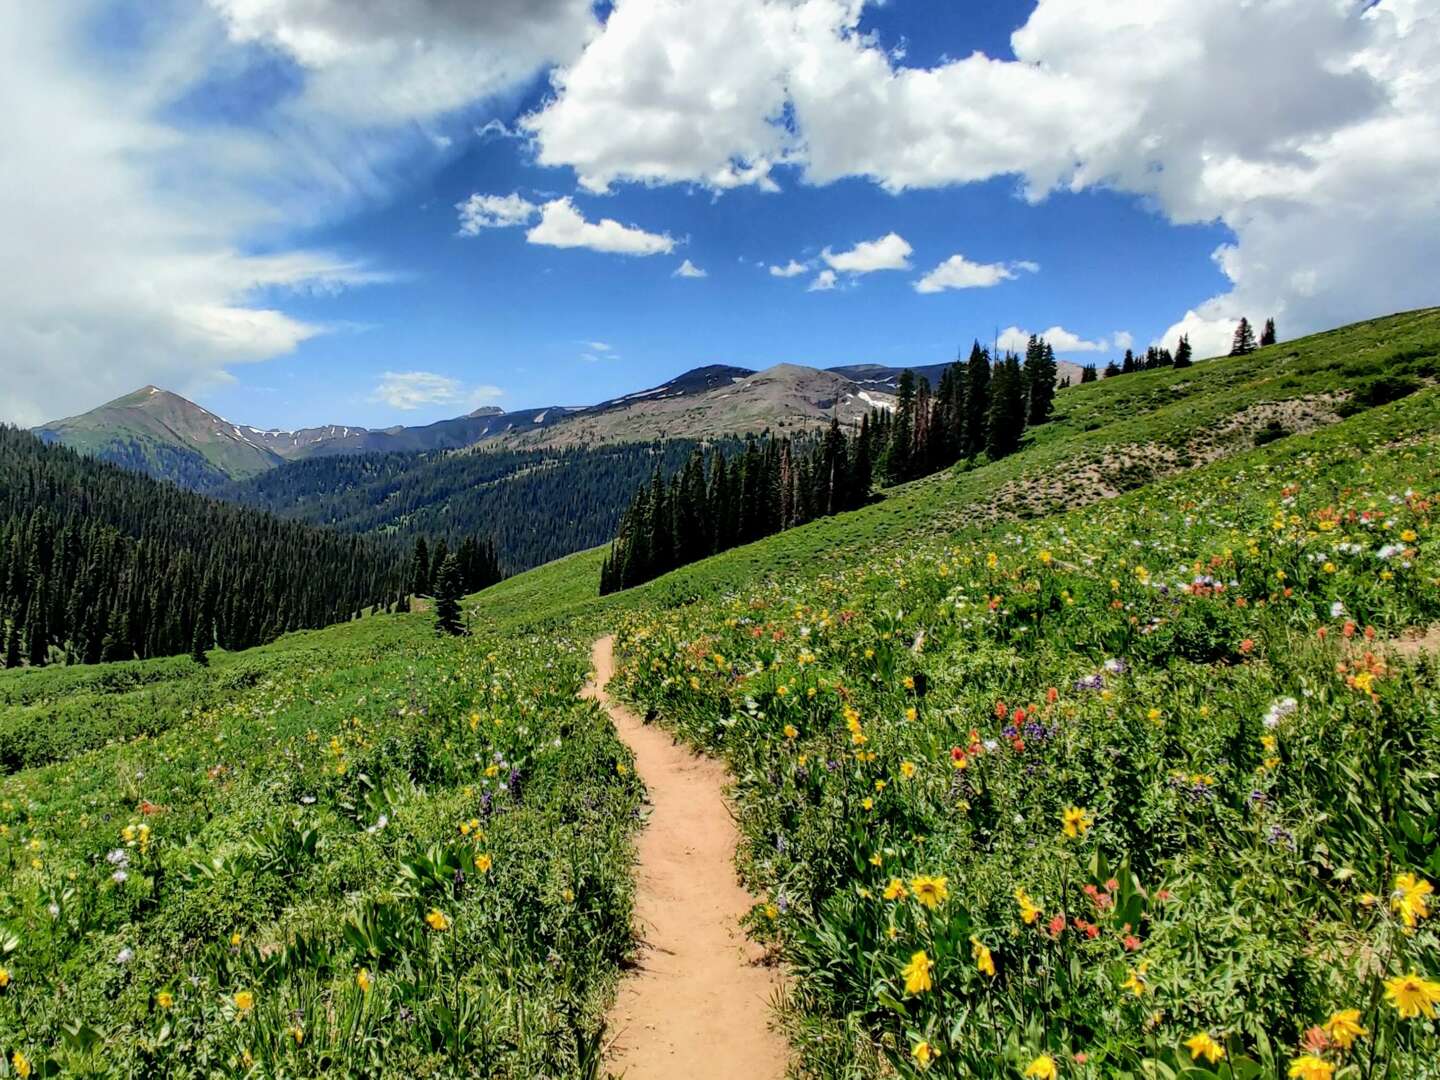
(97, 563)
(536, 505)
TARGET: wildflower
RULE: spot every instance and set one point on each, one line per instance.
(1408, 898)
(244, 1001)
(984, 961)
(1310, 1067)
(1028, 911)
(1343, 1028)
(1202, 1045)
(483, 862)
(437, 921)
(791, 731)
(298, 1034)
(895, 890)
(4, 978)
(930, 891)
(1411, 995)
(1135, 981)
(917, 973)
(1075, 821)
(1042, 1068)
(907, 769)
(235, 939)
(1057, 925)
(165, 999)
(21, 1064)
(924, 1054)
(363, 980)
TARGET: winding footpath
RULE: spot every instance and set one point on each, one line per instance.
(696, 1004)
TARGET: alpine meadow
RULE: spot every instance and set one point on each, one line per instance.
(803, 540)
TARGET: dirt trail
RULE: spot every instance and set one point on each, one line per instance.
(697, 1003)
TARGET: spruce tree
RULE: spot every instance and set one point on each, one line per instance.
(1183, 352)
(1244, 341)
(1006, 421)
(447, 598)
(902, 431)
(1129, 364)
(1111, 370)
(1040, 372)
(1088, 373)
(200, 643)
(420, 568)
(1267, 335)
(977, 401)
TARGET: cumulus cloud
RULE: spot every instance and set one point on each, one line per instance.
(127, 242)
(410, 390)
(1162, 99)
(789, 270)
(562, 225)
(1123, 339)
(823, 282)
(688, 269)
(890, 252)
(396, 60)
(493, 212)
(958, 272)
(1063, 341)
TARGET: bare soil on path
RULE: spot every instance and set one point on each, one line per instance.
(696, 1004)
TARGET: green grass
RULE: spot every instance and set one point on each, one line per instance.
(516, 985)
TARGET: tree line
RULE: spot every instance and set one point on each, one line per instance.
(98, 563)
(720, 500)
(1244, 344)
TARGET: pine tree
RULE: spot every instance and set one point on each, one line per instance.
(12, 642)
(1183, 352)
(1129, 364)
(447, 598)
(977, 401)
(1040, 372)
(1111, 370)
(1267, 335)
(861, 467)
(420, 568)
(200, 643)
(1244, 342)
(897, 459)
(1006, 421)
(1088, 373)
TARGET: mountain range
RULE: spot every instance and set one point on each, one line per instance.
(155, 431)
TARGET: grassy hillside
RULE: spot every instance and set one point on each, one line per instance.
(1160, 556)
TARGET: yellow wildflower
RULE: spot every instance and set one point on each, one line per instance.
(895, 890)
(483, 862)
(917, 973)
(437, 921)
(1310, 1067)
(1042, 1068)
(1075, 821)
(1202, 1045)
(1413, 996)
(907, 769)
(244, 1001)
(363, 980)
(1343, 1028)
(1135, 980)
(791, 731)
(1409, 898)
(930, 891)
(924, 1054)
(21, 1064)
(165, 999)
(984, 961)
(1028, 911)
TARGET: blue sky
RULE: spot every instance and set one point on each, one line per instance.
(274, 190)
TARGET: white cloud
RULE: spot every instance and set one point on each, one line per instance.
(1063, 341)
(824, 282)
(958, 272)
(493, 212)
(562, 225)
(389, 61)
(410, 390)
(1320, 158)
(687, 269)
(789, 270)
(598, 346)
(1123, 339)
(890, 252)
(125, 251)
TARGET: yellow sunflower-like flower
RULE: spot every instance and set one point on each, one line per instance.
(895, 890)
(1413, 996)
(437, 920)
(1028, 911)
(984, 960)
(1343, 1028)
(930, 891)
(1074, 821)
(1202, 1045)
(917, 973)
(1310, 1067)
(1410, 898)
(924, 1054)
(1042, 1068)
